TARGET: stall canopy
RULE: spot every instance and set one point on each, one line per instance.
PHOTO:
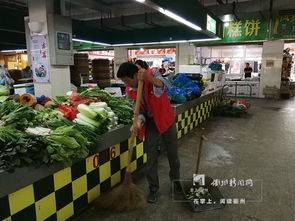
(117, 22)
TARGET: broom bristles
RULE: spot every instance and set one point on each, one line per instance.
(124, 198)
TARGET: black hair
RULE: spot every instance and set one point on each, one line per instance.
(142, 64)
(248, 63)
(127, 69)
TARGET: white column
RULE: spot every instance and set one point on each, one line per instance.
(121, 56)
(59, 74)
(185, 54)
(272, 59)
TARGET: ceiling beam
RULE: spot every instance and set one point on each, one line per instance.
(91, 4)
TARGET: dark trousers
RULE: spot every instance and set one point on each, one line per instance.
(152, 137)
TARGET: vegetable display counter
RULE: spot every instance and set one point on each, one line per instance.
(57, 193)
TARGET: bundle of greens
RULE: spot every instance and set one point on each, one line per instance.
(66, 144)
(16, 115)
(120, 106)
(4, 91)
(52, 118)
(19, 149)
(46, 115)
(62, 99)
(122, 109)
(86, 131)
(94, 117)
(96, 93)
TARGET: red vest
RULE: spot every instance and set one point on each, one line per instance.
(160, 107)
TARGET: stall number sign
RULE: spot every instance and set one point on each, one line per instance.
(211, 24)
(104, 157)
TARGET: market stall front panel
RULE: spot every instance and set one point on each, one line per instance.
(61, 194)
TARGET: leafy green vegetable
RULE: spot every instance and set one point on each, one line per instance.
(16, 115)
(4, 91)
(3, 98)
(18, 149)
(122, 108)
(62, 99)
(67, 144)
(95, 93)
(46, 115)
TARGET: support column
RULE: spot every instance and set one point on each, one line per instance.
(185, 54)
(41, 12)
(121, 56)
(272, 58)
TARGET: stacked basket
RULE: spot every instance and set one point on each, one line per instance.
(101, 72)
(80, 68)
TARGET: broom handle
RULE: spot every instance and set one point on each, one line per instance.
(202, 138)
(199, 154)
(135, 119)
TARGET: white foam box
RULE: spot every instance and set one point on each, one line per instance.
(190, 69)
(22, 88)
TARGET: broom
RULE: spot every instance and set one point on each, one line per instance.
(127, 196)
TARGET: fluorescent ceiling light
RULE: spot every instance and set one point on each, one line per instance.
(91, 42)
(180, 19)
(127, 44)
(226, 24)
(167, 42)
(227, 18)
(204, 39)
(172, 15)
(16, 50)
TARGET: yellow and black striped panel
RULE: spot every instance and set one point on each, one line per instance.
(66, 192)
(191, 118)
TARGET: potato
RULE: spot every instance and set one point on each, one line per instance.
(48, 104)
(38, 107)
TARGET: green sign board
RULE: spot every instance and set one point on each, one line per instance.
(211, 24)
(247, 30)
(283, 27)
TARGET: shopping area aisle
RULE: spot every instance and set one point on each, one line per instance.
(260, 146)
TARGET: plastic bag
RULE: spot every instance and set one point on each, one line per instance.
(183, 89)
(68, 112)
(177, 95)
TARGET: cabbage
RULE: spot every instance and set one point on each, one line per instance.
(4, 90)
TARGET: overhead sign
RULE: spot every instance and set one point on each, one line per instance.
(252, 29)
(247, 30)
(211, 24)
(284, 27)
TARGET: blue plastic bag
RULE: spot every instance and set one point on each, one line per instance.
(177, 95)
(183, 89)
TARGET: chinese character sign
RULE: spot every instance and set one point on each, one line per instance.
(284, 27)
(245, 30)
(40, 58)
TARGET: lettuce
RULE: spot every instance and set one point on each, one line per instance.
(4, 91)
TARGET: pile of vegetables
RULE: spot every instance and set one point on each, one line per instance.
(232, 108)
(198, 193)
(16, 115)
(38, 131)
(66, 144)
(4, 92)
(120, 106)
(19, 149)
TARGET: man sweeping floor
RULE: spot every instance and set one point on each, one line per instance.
(156, 120)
